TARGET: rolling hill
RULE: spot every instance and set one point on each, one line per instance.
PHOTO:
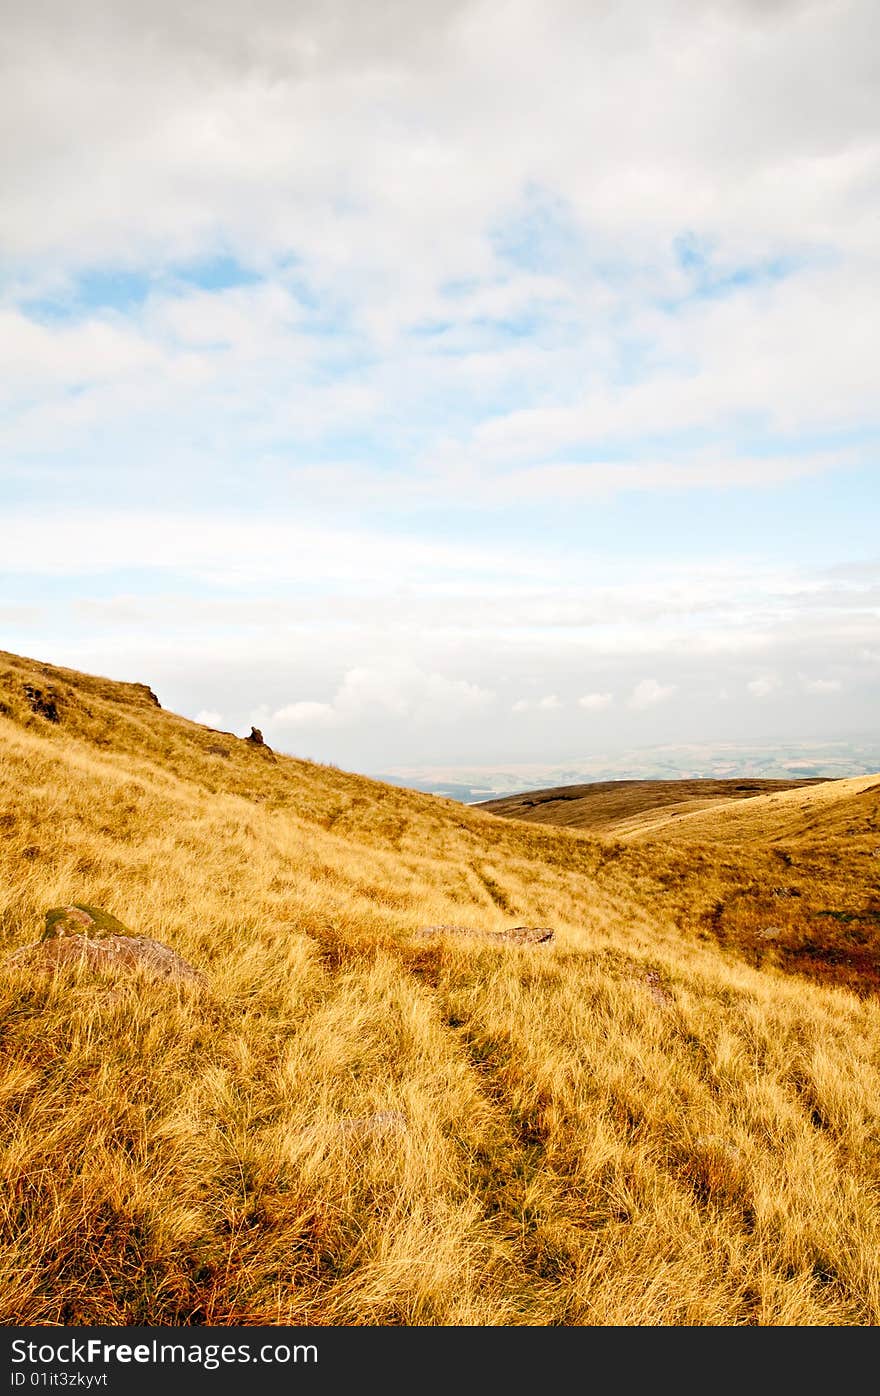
(367, 1110)
(625, 807)
(785, 873)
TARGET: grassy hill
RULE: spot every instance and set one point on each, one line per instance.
(627, 807)
(643, 1122)
(784, 873)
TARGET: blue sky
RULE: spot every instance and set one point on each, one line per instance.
(440, 383)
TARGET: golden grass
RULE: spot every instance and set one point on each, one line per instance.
(789, 879)
(353, 1126)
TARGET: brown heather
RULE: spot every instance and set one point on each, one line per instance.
(651, 1120)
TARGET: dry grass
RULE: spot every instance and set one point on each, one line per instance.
(631, 1126)
(787, 879)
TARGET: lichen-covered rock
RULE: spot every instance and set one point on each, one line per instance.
(78, 919)
(88, 938)
(514, 935)
(111, 954)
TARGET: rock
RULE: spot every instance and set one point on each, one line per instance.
(525, 935)
(657, 989)
(43, 702)
(111, 954)
(147, 692)
(514, 935)
(429, 932)
(91, 939)
(256, 737)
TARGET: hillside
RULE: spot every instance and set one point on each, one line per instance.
(625, 807)
(843, 813)
(787, 877)
(353, 1123)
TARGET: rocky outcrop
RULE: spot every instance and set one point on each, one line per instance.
(256, 741)
(86, 938)
(110, 955)
(514, 935)
(42, 701)
(145, 690)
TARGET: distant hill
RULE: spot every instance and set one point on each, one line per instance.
(623, 807)
(367, 1107)
(784, 872)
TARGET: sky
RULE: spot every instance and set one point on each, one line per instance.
(475, 381)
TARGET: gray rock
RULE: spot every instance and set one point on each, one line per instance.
(514, 935)
(74, 939)
(657, 989)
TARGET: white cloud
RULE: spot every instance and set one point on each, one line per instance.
(91, 351)
(208, 718)
(612, 209)
(396, 690)
(595, 702)
(762, 686)
(649, 692)
(226, 549)
(822, 685)
(548, 704)
(306, 714)
(418, 117)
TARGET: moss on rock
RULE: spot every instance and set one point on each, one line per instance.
(80, 919)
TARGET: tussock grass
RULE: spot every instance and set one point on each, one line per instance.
(353, 1126)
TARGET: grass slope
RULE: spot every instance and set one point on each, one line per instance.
(626, 807)
(353, 1126)
(788, 878)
